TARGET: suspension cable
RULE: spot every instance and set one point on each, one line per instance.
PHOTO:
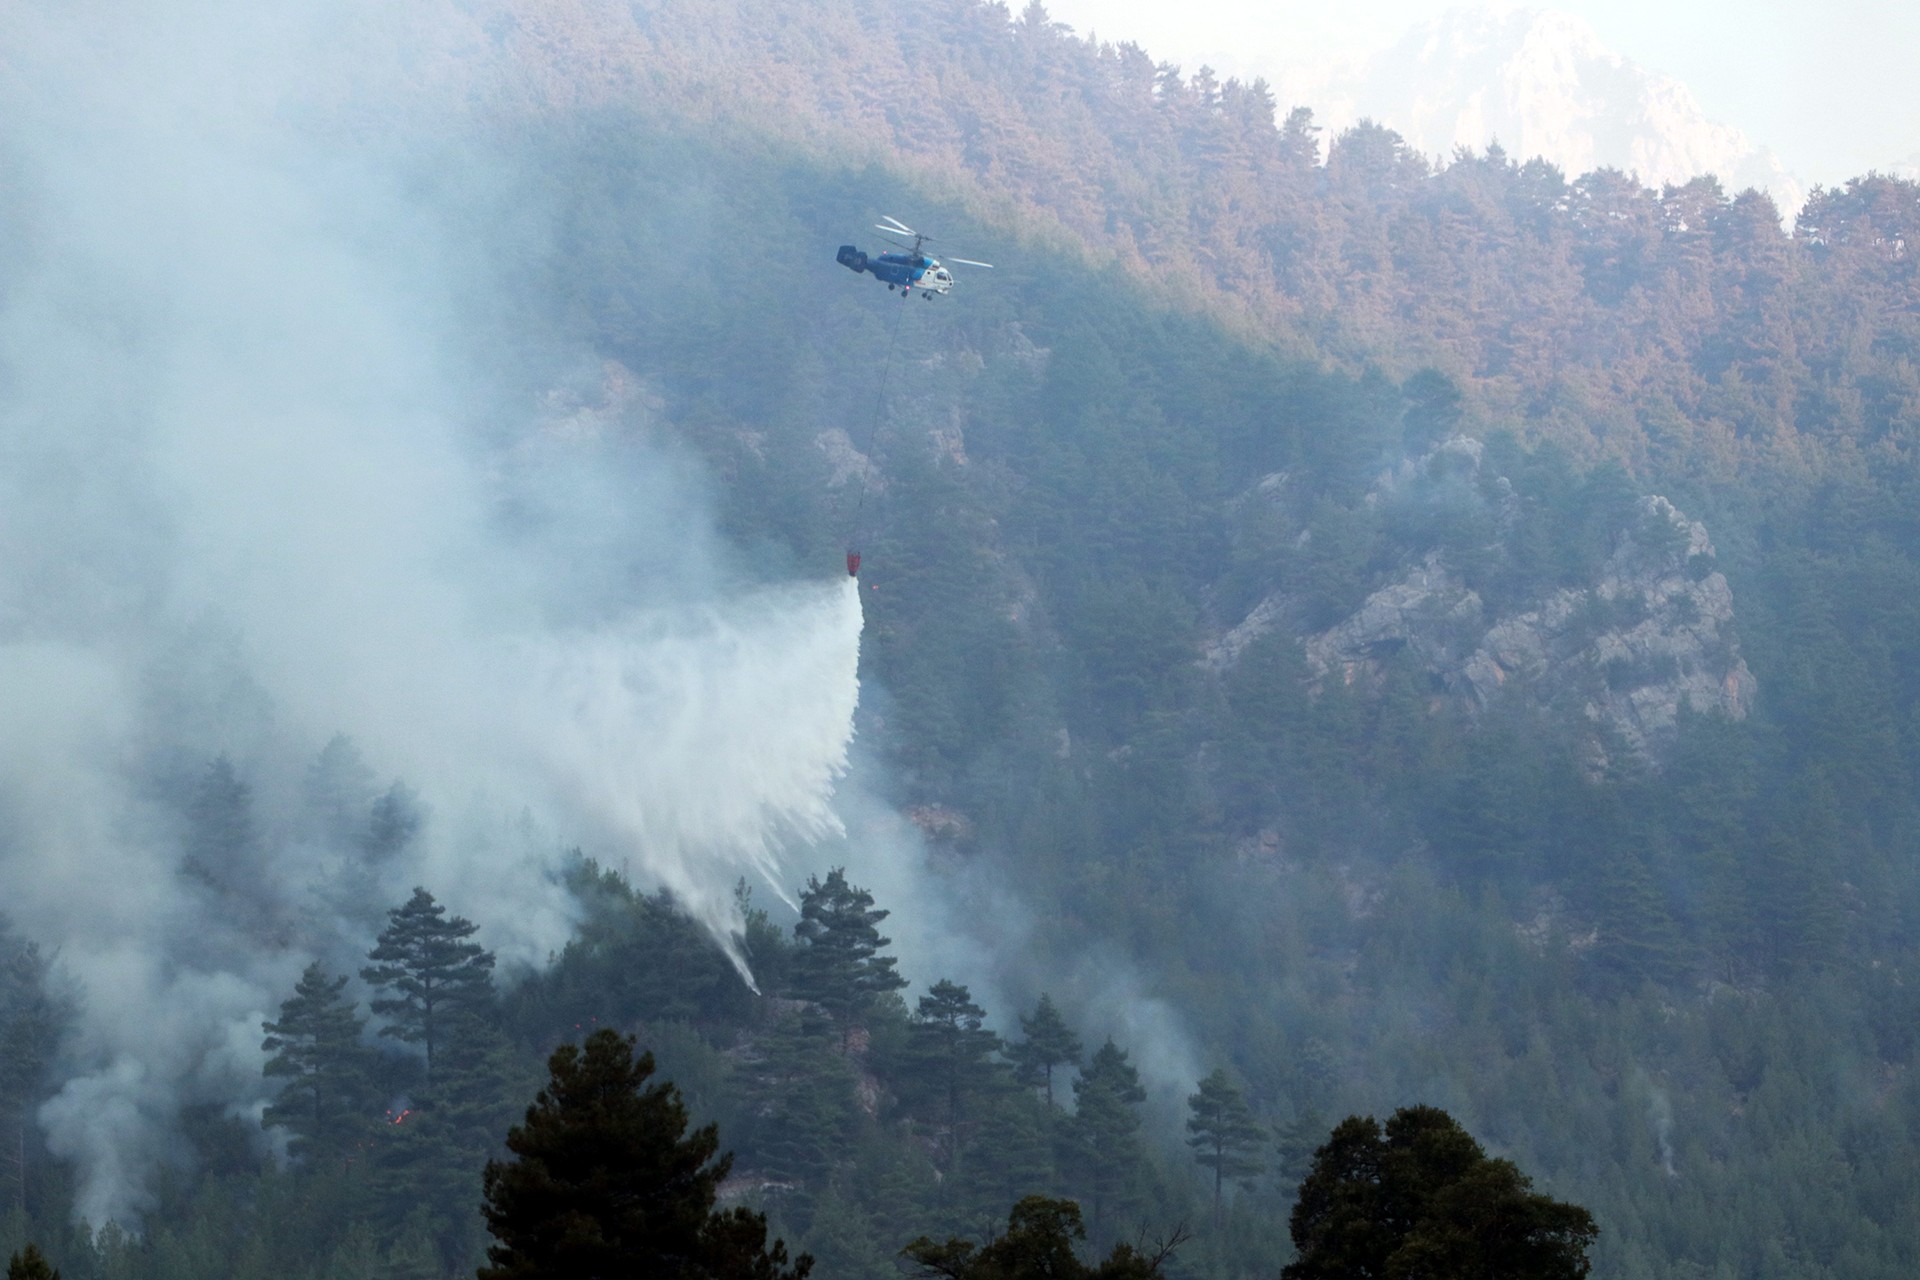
(873, 434)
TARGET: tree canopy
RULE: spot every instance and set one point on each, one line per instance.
(314, 1046)
(1423, 1199)
(605, 1180)
(840, 963)
(427, 965)
(1106, 1127)
(1040, 1243)
(1223, 1133)
(1048, 1043)
(31, 1264)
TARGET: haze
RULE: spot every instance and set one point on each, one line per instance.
(1829, 88)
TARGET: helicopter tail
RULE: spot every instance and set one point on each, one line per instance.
(851, 258)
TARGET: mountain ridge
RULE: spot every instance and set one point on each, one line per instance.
(1588, 308)
(1541, 83)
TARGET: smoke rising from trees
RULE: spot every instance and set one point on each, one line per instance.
(265, 483)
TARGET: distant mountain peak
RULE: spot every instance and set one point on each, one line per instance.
(1542, 83)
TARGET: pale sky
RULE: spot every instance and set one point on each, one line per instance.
(1833, 88)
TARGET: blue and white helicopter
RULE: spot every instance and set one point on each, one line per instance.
(910, 271)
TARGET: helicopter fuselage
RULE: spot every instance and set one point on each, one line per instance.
(909, 271)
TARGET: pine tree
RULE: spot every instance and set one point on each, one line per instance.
(768, 950)
(338, 787)
(315, 1048)
(429, 965)
(1434, 409)
(221, 816)
(667, 968)
(1223, 1134)
(639, 958)
(838, 964)
(1106, 1127)
(31, 1021)
(220, 834)
(802, 1098)
(1049, 1043)
(412, 1253)
(1040, 1243)
(949, 1060)
(1294, 1147)
(425, 1181)
(30, 1264)
(1010, 1155)
(1638, 940)
(605, 1181)
(392, 822)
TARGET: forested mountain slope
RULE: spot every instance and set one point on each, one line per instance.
(1676, 329)
(1264, 842)
(1212, 379)
(1353, 891)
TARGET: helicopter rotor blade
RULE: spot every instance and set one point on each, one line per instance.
(898, 226)
(969, 262)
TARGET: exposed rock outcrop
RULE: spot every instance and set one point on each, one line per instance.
(1651, 633)
(845, 462)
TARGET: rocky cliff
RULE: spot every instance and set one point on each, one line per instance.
(1652, 630)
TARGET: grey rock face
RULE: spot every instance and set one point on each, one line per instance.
(1428, 613)
(1651, 633)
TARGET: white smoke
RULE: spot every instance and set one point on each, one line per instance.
(254, 472)
(960, 922)
(264, 480)
(1659, 1118)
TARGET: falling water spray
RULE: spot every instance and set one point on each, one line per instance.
(257, 463)
(707, 741)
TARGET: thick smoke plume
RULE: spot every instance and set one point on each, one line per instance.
(261, 486)
(327, 569)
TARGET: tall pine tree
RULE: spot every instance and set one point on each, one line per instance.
(1222, 1133)
(1106, 1129)
(802, 1098)
(839, 964)
(950, 1062)
(606, 1181)
(315, 1046)
(30, 1264)
(31, 1021)
(1049, 1043)
(425, 961)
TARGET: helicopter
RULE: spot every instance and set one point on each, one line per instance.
(909, 271)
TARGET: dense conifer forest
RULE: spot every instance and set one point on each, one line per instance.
(1222, 373)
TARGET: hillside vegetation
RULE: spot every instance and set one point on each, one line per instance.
(1215, 376)
(1678, 329)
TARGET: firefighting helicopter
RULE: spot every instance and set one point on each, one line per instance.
(909, 271)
